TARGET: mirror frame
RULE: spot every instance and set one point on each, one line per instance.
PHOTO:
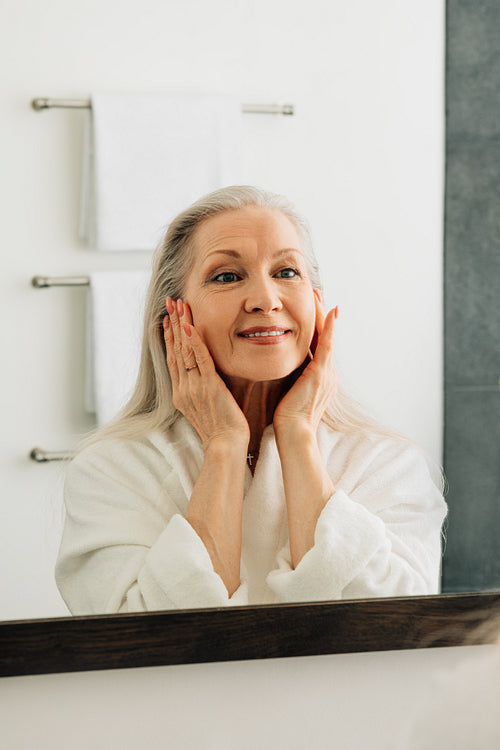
(74, 644)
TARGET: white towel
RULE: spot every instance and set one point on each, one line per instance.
(147, 157)
(115, 314)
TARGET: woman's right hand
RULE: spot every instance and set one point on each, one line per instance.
(216, 504)
(198, 390)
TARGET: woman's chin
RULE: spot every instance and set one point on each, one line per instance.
(258, 374)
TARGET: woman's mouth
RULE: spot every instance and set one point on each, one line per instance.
(272, 334)
(262, 333)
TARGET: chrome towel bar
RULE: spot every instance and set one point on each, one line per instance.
(42, 282)
(38, 454)
(260, 109)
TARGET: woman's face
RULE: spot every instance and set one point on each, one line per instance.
(249, 293)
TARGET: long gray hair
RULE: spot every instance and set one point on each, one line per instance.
(150, 406)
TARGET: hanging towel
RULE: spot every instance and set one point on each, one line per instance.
(115, 314)
(147, 157)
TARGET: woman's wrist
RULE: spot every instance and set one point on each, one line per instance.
(226, 446)
(294, 432)
(299, 449)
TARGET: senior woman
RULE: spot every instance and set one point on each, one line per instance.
(238, 473)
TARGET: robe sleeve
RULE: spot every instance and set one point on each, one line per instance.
(379, 537)
(126, 546)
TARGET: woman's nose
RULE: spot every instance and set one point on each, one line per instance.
(262, 296)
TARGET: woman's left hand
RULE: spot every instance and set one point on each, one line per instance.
(304, 404)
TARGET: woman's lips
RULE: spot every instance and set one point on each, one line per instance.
(264, 335)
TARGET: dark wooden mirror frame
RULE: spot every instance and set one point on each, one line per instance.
(73, 644)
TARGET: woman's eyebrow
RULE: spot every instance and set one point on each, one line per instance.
(232, 253)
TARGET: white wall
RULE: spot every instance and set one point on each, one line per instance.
(362, 158)
(338, 702)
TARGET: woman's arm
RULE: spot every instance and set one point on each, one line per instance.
(149, 530)
(308, 486)
(126, 545)
(216, 504)
(376, 535)
(380, 532)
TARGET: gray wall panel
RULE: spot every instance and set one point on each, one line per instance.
(472, 559)
(472, 261)
(472, 296)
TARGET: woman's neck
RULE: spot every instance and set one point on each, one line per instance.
(257, 401)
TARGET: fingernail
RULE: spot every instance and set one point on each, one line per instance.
(166, 322)
(180, 308)
(187, 329)
(336, 312)
(169, 305)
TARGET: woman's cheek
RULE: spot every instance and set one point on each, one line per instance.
(312, 336)
(312, 312)
(212, 341)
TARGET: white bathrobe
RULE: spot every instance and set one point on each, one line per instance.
(127, 547)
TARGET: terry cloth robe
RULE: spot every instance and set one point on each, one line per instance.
(127, 547)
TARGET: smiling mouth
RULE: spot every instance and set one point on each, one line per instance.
(260, 334)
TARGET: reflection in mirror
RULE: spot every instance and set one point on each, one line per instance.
(356, 171)
(239, 472)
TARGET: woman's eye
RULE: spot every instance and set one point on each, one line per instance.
(287, 273)
(226, 277)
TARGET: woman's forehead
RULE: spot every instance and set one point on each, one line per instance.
(245, 228)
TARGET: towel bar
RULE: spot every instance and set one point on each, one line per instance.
(41, 282)
(261, 109)
(38, 454)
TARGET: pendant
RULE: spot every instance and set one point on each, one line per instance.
(252, 457)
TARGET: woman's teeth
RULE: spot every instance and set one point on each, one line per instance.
(262, 333)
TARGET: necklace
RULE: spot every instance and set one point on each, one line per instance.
(251, 456)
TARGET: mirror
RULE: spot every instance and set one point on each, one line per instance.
(362, 157)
